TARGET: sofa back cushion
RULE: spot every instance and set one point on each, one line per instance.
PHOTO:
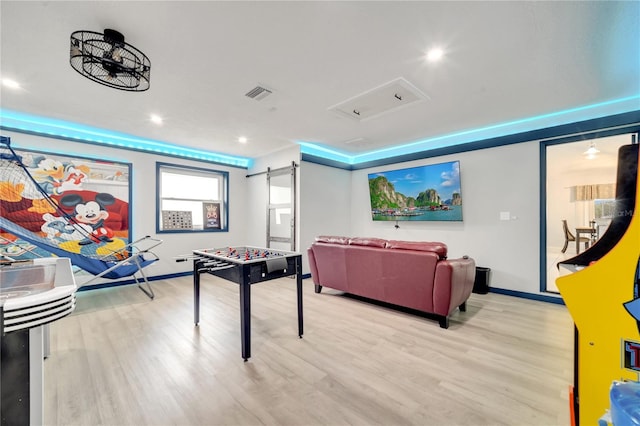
(369, 242)
(330, 239)
(400, 277)
(436, 247)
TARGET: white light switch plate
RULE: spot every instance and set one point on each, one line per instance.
(505, 215)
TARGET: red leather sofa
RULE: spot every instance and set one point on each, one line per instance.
(410, 274)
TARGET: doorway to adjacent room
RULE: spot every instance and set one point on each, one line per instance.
(580, 192)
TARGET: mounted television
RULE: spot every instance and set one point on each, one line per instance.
(424, 193)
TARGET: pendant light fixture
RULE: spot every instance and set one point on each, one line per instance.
(591, 152)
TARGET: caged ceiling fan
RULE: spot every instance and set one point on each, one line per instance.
(109, 60)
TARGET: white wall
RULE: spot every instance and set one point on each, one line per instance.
(325, 204)
(143, 203)
(501, 179)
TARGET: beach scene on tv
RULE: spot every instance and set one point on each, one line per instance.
(429, 192)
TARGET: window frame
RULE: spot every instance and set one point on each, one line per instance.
(196, 171)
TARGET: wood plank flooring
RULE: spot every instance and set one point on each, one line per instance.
(122, 359)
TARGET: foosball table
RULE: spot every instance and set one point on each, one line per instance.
(246, 266)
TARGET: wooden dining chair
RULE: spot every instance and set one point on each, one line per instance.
(568, 236)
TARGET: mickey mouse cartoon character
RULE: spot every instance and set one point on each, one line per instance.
(92, 213)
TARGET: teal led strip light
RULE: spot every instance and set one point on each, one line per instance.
(45, 126)
(11, 120)
(603, 109)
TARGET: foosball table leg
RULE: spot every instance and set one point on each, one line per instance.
(245, 320)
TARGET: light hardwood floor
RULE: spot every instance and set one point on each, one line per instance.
(122, 359)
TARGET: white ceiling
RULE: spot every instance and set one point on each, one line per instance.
(504, 62)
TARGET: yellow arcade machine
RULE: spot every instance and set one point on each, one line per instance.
(601, 294)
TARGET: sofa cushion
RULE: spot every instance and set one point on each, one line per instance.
(439, 248)
(369, 242)
(329, 239)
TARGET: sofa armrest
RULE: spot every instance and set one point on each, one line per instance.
(313, 266)
(453, 284)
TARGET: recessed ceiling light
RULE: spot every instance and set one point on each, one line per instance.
(12, 84)
(242, 139)
(435, 54)
(156, 118)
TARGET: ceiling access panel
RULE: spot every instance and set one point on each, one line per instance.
(391, 96)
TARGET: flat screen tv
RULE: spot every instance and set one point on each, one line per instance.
(430, 193)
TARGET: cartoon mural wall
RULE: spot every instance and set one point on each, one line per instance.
(92, 197)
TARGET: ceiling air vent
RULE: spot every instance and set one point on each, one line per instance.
(258, 93)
